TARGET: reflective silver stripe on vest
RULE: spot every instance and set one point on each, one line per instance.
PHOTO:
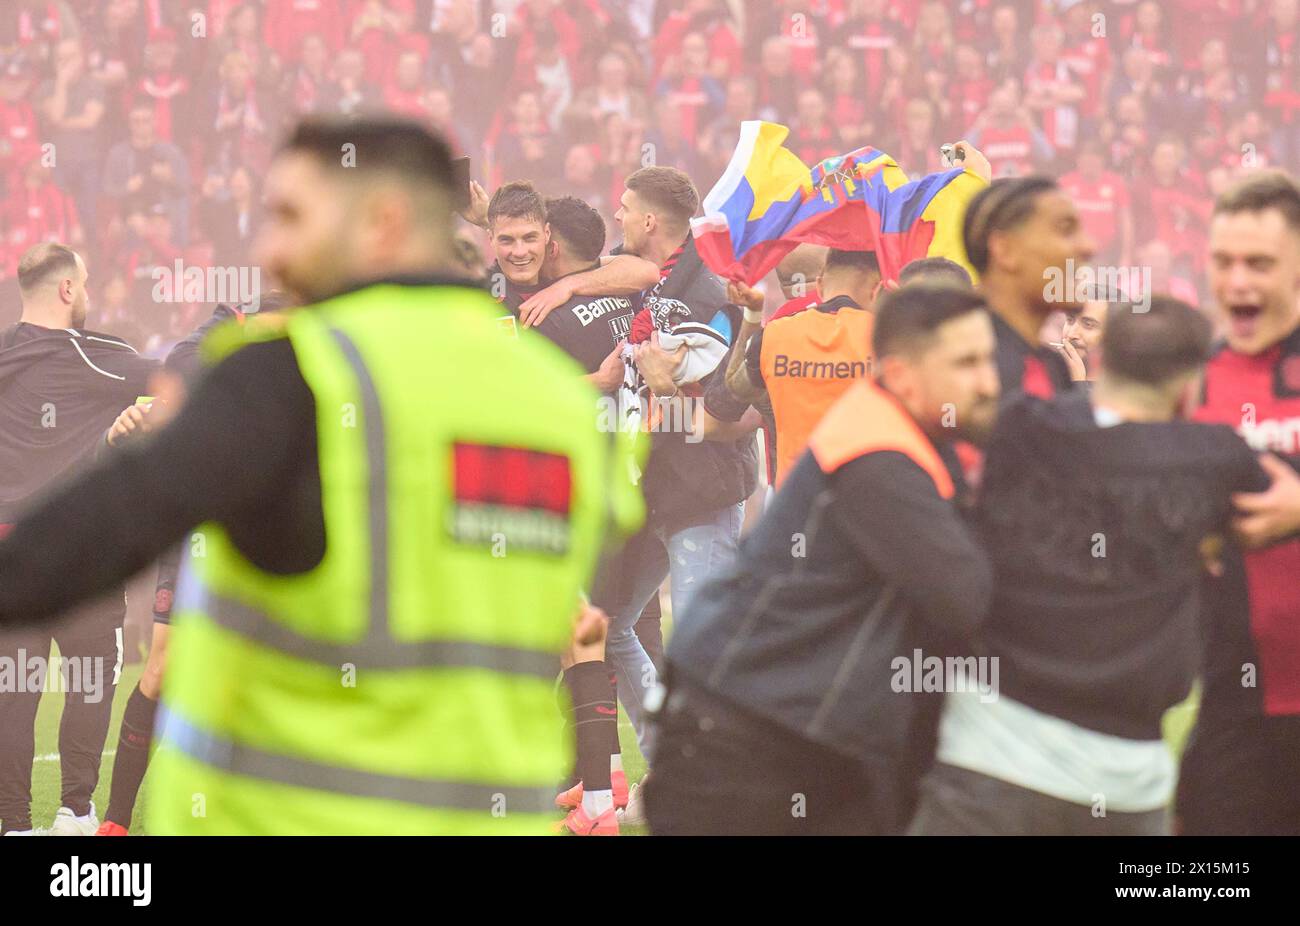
(241, 759)
(376, 654)
(377, 456)
(378, 650)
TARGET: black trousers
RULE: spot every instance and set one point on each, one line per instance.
(90, 636)
(722, 771)
(1240, 776)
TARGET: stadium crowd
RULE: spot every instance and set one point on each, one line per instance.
(163, 115)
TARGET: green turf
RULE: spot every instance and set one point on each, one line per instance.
(45, 774)
(45, 771)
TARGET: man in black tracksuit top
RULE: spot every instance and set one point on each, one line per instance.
(781, 714)
(61, 386)
(1094, 508)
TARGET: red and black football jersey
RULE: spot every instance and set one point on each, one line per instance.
(1254, 610)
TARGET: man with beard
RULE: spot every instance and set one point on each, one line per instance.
(779, 716)
(1242, 762)
(61, 385)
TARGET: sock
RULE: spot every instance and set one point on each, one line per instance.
(593, 714)
(616, 763)
(595, 803)
(615, 747)
(132, 758)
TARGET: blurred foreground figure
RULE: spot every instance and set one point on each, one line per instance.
(1094, 510)
(399, 507)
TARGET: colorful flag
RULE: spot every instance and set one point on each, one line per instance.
(768, 202)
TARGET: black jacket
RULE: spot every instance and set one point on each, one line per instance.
(688, 482)
(1094, 534)
(60, 389)
(845, 572)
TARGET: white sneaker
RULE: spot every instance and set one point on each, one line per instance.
(21, 833)
(66, 823)
(634, 813)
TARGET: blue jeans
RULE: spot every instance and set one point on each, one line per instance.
(689, 557)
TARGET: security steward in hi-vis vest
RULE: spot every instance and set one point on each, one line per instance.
(396, 510)
(402, 683)
(407, 681)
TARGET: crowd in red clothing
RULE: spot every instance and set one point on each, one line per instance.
(137, 129)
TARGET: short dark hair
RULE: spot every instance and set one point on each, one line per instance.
(935, 270)
(1265, 189)
(380, 144)
(578, 225)
(517, 199)
(859, 261)
(43, 261)
(1003, 206)
(907, 318)
(666, 190)
(1152, 347)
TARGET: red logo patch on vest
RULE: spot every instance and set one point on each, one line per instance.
(510, 498)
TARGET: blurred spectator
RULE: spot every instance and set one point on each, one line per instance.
(241, 117)
(710, 18)
(813, 137)
(688, 85)
(1172, 206)
(228, 216)
(612, 92)
(1008, 135)
(161, 83)
(145, 171)
(869, 33)
(19, 135)
(916, 151)
(1005, 49)
(1052, 92)
(37, 210)
(524, 149)
(73, 106)
(353, 93)
(1281, 76)
(383, 31)
(550, 74)
(1102, 198)
(287, 21)
(777, 83)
